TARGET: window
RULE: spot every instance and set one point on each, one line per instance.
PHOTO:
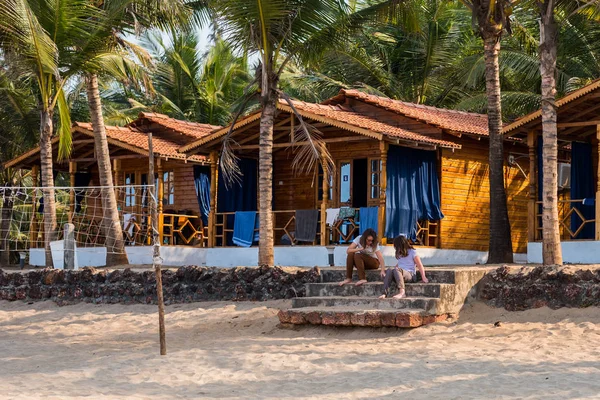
(375, 178)
(168, 188)
(130, 189)
(345, 174)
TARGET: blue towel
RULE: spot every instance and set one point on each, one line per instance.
(368, 218)
(243, 228)
(588, 202)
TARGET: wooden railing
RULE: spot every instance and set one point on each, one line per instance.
(174, 229)
(284, 222)
(566, 209)
(341, 232)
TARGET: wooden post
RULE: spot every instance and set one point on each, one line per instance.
(212, 215)
(383, 147)
(156, 259)
(33, 227)
(531, 204)
(324, 236)
(72, 171)
(598, 187)
(159, 199)
(69, 246)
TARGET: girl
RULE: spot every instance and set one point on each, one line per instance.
(364, 253)
(405, 269)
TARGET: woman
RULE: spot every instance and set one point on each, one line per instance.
(364, 253)
(405, 269)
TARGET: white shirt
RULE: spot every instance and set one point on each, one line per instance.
(369, 250)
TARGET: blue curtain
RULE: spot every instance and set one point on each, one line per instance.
(582, 187)
(202, 184)
(413, 191)
(239, 196)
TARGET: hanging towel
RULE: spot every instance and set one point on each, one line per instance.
(306, 225)
(589, 202)
(243, 228)
(346, 212)
(332, 215)
(368, 218)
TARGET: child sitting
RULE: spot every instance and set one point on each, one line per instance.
(408, 261)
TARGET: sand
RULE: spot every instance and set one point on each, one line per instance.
(235, 350)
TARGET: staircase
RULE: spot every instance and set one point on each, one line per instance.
(326, 303)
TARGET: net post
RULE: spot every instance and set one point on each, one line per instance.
(156, 259)
(69, 247)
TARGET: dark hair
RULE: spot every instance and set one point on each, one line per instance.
(402, 246)
(363, 238)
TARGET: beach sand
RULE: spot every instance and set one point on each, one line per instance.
(235, 350)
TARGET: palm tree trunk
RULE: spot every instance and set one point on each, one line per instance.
(111, 222)
(47, 175)
(7, 211)
(265, 180)
(551, 250)
(500, 250)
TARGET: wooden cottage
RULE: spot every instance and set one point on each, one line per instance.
(578, 173)
(177, 203)
(410, 169)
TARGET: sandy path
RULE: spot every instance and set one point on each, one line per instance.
(234, 350)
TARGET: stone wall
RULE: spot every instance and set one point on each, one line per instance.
(522, 288)
(184, 285)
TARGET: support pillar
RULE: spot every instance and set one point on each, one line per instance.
(598, 187)
(72, 171)
(383, 147)
(531, 203)
(324, 235)
(33, 226)
(159, 199)
(212, 215)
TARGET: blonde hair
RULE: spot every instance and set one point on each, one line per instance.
(402, 246)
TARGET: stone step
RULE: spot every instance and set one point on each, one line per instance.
(338, 274)
(352, 316)
(428, 304)
(374, 289)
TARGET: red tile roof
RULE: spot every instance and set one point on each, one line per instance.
(192, 129)
(136, 140)
(346, 116)
(458, 121)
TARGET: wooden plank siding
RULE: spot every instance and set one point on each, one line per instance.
(294, 191)
(465, 198)
(185, 192)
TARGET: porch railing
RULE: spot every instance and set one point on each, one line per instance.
(284, 222)
(174, 229)
(566, 210)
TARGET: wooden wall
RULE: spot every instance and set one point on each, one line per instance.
(465, 197)
(185, 191)
(299, 191)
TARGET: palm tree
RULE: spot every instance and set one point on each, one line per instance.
(105, 51)
(278, 31)
(194, 86)
(549, 32)
(41, 49)
(19, 124)
(551, 249)
(492, 19)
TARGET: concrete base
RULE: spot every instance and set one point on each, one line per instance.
(286, 256)
(575, 252)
